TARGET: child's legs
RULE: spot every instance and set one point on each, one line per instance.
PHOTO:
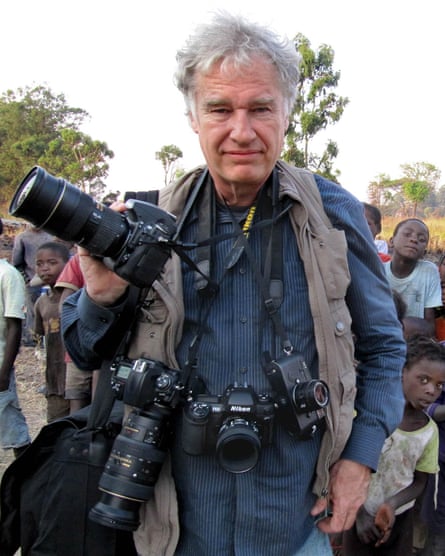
(56, 407)
(352, 546)
(435, 517)
(78, 387)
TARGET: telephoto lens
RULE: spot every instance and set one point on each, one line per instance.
(64, 210)
(133, 468)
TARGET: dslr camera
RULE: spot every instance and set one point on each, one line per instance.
(235, 426)
(134, 244)
(154, 390)
(300, 400)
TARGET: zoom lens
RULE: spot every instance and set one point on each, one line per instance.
(132, 469)
(62, 209)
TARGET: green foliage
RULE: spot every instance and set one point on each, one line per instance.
(37, 127)
(317, 106)
(80, 159)
(415, 189)
(169, 155)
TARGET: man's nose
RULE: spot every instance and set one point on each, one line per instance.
(242, 129)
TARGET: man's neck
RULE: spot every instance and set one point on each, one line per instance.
(235, 195)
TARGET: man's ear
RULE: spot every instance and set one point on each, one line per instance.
(193, 123)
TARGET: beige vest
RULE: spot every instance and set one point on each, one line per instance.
(323, 251)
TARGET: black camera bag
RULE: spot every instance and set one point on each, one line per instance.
(47, 492)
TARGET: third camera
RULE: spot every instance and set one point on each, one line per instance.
(300, 400)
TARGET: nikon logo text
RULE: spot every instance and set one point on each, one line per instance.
(240, 408)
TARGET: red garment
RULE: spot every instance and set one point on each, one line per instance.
(71, 277)
(384, 257)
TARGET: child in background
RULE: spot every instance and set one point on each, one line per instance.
(14, 432)
(384, 524)
(51, 257)
(433, 505)
(374, 218)
(416, 280)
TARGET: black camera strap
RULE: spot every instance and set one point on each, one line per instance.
(270, 281)
(269, 275)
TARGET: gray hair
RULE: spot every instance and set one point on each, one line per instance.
(235, 42)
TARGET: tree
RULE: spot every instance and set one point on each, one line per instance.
(316, 107)
(403, 195)
(80, 159)
(37, 127)
(169, 155)
(418, 181)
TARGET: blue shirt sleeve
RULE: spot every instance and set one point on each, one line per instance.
(84, 324)
(379, 344)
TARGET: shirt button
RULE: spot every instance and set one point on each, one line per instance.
(339, 326)
(242, 270)
(103, 319)
(243, 320)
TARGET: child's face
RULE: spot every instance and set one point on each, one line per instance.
(411, 240)
(422, 382)
(49, 265)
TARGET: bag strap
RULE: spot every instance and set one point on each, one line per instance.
(104, 398)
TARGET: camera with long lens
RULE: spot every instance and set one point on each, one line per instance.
(154, 390)
(134, 244)
(234, 426)
(300, 400)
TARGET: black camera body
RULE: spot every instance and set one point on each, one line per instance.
(146, 248)
(134, 244)
(138, 453)
(142, 382)
(235, 426)
(300, 400)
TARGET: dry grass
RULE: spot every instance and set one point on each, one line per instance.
(30, 376)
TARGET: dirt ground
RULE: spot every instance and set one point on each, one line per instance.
(30, 376)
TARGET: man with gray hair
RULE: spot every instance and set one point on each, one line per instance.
(284, 273)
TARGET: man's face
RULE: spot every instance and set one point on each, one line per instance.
(241, 121)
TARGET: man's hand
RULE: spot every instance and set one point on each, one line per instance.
(102, 285)
(348, 490)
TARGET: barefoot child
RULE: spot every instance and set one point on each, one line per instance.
(384, 524)
(51, 257)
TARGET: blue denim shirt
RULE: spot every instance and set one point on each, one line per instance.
(266, 511)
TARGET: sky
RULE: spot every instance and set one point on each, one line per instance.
(116, 60)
